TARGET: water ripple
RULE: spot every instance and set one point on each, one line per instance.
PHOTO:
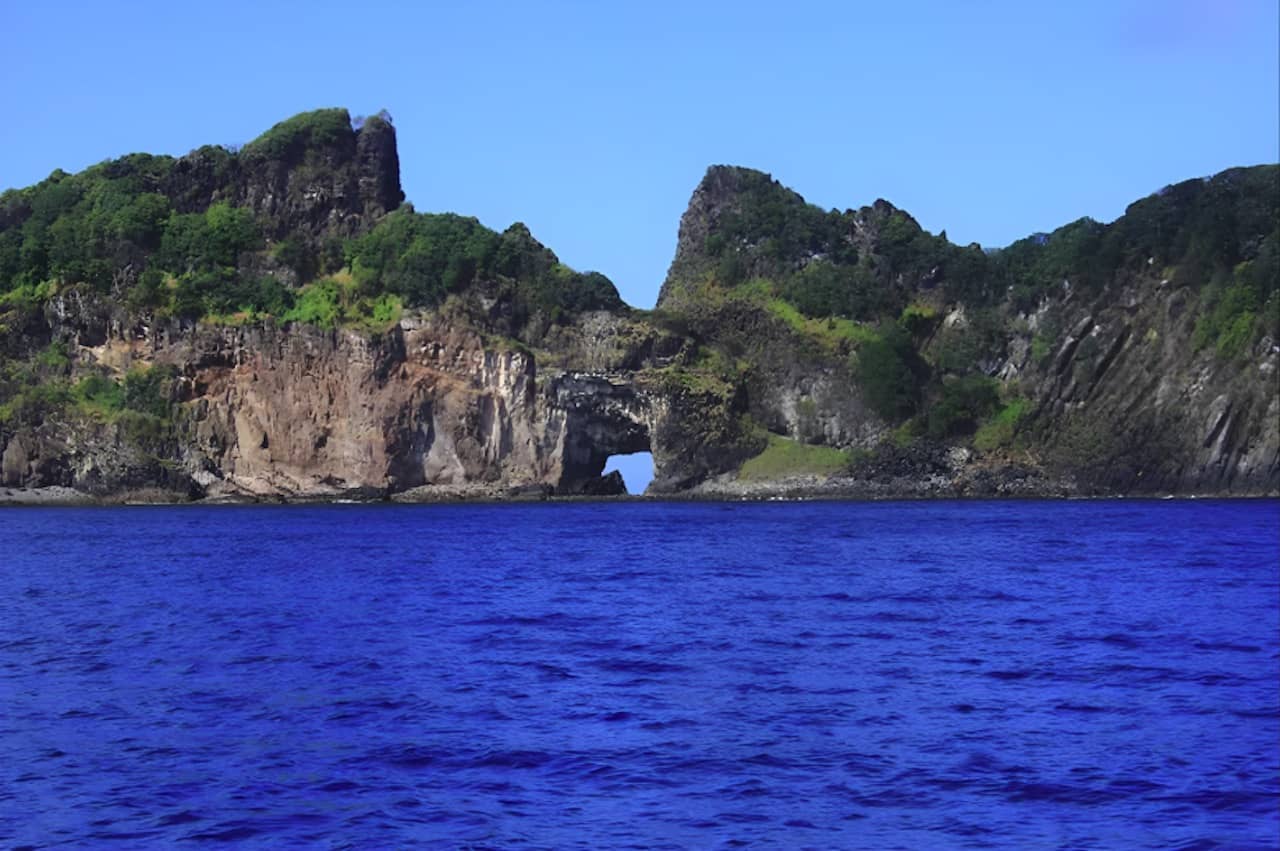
(909, 675)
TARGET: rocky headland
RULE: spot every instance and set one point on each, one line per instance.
(275, 323)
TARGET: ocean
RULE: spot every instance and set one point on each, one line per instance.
(1091, 674)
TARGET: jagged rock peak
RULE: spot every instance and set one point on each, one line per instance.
(317, 173)
(732, 208)
(718, 194)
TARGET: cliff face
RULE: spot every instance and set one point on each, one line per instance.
(311, 177)
(1137, 357)
(431, 408)
(302, 412)
(256, 325)
(1127, 403)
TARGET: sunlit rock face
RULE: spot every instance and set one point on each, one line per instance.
(297, 412)
(434, 408)
(795, 351)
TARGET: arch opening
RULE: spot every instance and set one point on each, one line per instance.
(604, 419)
(636, 469)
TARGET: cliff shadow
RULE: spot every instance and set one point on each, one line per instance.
(603, 419)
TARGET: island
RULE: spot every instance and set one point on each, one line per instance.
(276, 323)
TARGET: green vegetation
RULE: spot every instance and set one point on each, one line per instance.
(422, 257)
(1235, 312)
(891, 373)
(53, 358)
(336, 300)
(294, 137)
(30, 404)
(818, 260)
(707, 414)
(99, 394)
(1192, 231)
(142, 230)
(34, 389)
(919, 319)
(1032, 267)
(784, 457)
(84, 227)
(1047, 337)
(214, 294)
(964, 402)
(108, 230)
(144, 392)
(292, 253)
(704, 379)
(27, 296)
(907, 433)
(1198, 231)
(771, 232)
(38, 390)
(771, 217)
(823, 288)
(1041, 348)
(835, 333)
(999, 431)
(214, 239)
(957, 349)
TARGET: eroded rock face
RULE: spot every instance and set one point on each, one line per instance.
(304, 412)
(434, 407)
(447, 402)
(714, 197)
(1171, 418)
(328, 189)
(299, 412)
(1118, 394)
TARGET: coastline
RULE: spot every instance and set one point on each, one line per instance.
(65, 497)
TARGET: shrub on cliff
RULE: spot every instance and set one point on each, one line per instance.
(1236, 311)
(221, 292)
(337, 300)
(292, 138)
(999, 431)
(144, 390)
(209, 240)
(823, 288)
(423, 257)
(964, 402)
(891, 373)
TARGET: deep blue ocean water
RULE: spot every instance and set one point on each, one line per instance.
(643, 675)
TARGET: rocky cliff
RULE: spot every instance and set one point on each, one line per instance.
(316, 175)
(1135, 357)
(430, 408)
(272, 323)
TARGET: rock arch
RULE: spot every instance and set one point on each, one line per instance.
(602, 415)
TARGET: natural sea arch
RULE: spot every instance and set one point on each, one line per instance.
(636, 469)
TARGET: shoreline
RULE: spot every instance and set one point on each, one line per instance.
(65, 497)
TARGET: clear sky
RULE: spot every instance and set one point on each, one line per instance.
(592, 122)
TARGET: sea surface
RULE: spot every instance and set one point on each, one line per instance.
(642, 675)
